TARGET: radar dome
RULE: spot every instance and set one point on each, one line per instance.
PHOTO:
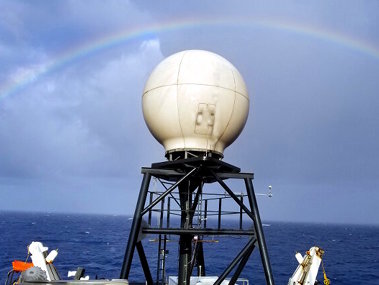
(195, 100)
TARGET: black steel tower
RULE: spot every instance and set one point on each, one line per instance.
(195, 103)
(185, 182)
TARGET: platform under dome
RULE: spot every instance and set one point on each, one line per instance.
(195, 100)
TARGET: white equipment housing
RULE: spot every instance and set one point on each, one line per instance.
(195, 100)
(37, 251)
(307, 270)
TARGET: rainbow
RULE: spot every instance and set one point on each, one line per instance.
(94, 46)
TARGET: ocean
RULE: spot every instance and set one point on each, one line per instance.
(97, 243)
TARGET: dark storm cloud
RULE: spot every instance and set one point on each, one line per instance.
(312, 129)
(84, 124)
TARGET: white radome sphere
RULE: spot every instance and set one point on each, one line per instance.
(195, 100)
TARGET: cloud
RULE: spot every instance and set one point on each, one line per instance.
(11, 20)
(32, 33)
(105, 16)
(313, 116)
(78, 124)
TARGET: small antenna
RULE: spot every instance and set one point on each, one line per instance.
(269, 194)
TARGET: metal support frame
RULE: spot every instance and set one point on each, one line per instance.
(244, 253)
(259, 232)
(145, 265)
(241, 265)
(136, 225)
(187, 176)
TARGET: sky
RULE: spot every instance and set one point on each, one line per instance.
(72, 73)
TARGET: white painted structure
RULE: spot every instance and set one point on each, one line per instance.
(306, 272)
(37, 254)
(195, 100)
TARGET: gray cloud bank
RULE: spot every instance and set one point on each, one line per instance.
(78, 131)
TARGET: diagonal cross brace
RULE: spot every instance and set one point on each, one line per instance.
(230, 192)
(168, 191)
(245, 253)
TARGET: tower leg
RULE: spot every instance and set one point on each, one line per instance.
(184, 259)
(145, 265)
(259, 232)
(136, 224)
(185, 240)
(200, 259)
